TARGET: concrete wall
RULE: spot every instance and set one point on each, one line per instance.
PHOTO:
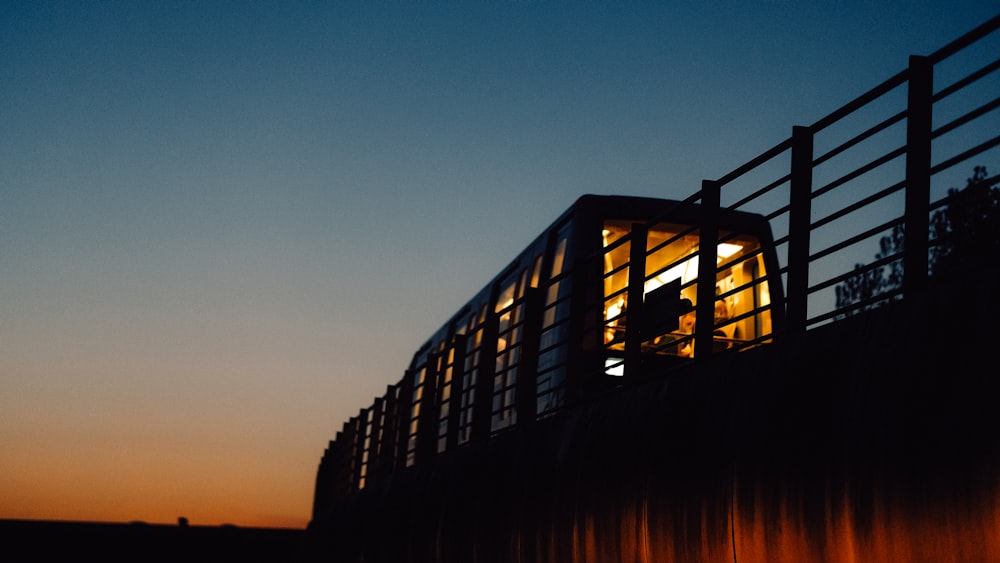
(872, 439)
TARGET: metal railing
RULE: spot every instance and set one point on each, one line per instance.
(874, 174)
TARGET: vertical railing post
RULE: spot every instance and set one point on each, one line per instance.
(339, 466)
(354, 452)
(405, 414)
(389, 456)
(323, 491)
(482, 407)
(636, 285)
(427, 420)
(455, 402)
(375, 436)
(799, 226)
(526, 386)
(708, 235)
(364, 450)
(920, 92)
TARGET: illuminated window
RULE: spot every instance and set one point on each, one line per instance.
(536, 271)
(616, 275)
(473, 349)
(419, 378)
(614, 366)
(446, 383)
(510, 318)
(742, 308)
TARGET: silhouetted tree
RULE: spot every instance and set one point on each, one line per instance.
(965, 232)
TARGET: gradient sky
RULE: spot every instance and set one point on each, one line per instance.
(226, 226)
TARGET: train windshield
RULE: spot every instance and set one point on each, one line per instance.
(742, 312)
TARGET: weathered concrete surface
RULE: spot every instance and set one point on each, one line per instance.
(873, 439)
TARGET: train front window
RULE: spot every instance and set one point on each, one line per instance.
(742, 296)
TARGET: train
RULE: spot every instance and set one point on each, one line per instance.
(565, 322)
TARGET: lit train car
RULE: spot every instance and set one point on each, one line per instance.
(564, 322)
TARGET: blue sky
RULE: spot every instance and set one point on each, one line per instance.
(226, 226)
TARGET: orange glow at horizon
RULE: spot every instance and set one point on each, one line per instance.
(154, 487)
(107, 467)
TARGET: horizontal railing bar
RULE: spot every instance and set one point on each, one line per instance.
(754, 163)
(962, 120)
(778, 212)
(764, 337)
(959, 84)
(861, 101)
(743, 287)
(666, 214)
(761, 192)
(859, 204)
(738, 318)
(857, 172)
(860, 137)
(673, 264)
(867, 268)
(882, 297)
(848, 242)
(670, 240)
(965, 155)
(964, 41)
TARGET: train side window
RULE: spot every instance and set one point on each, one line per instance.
(510, 316)
(446, 387)
(473, 350)
(419, 379)
(550, 384)
(559, 257)
(536, 271)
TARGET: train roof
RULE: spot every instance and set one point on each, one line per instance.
(669, 210)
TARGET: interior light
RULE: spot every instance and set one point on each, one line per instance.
(725, 249)
(685, 271)
(615, 309)
(690, 269)
(652, 284)
(614, 367)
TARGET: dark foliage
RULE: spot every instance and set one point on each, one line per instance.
(965, 232)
